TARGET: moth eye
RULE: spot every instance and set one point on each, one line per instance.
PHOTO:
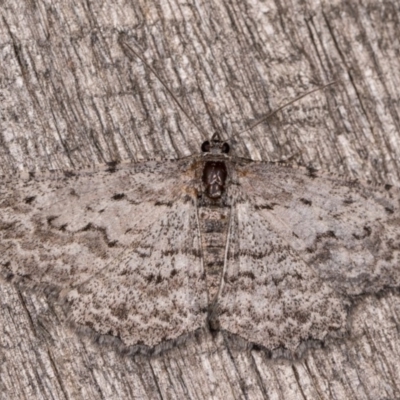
(205, 147)
(225, 148)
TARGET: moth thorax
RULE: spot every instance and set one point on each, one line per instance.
(214, 178)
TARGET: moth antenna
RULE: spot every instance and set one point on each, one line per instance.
(281, 108)
(124, 44)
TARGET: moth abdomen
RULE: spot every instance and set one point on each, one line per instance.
(214, 227)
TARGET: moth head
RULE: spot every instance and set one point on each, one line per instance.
(215, 145)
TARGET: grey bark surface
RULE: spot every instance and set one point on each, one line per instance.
(71, 98)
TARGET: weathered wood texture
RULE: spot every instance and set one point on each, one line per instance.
(70, 97)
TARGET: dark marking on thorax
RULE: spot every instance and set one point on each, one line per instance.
(214, 178)
(215, 172)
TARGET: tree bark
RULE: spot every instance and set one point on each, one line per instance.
(72, 97)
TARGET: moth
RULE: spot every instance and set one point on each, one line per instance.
(151, 252)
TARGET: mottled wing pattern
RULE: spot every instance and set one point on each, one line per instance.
(121, 244)
(300, 245)
(270, 296)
